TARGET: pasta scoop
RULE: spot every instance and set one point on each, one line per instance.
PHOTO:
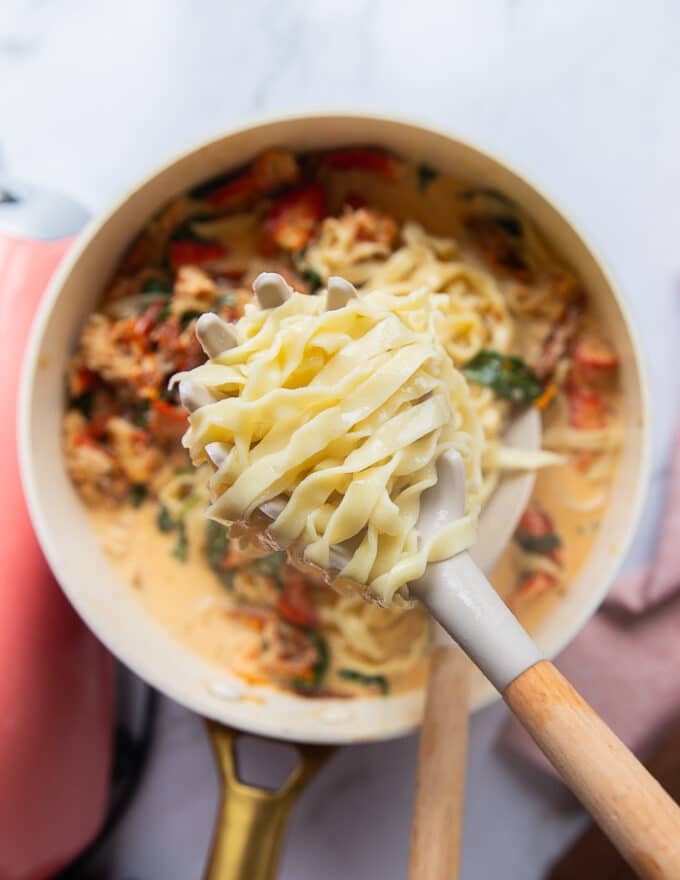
(631, 807)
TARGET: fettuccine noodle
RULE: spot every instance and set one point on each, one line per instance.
(473, 313)
(342, 415)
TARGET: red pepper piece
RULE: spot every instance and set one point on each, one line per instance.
(362, 159)
(294, 604)
(293, 218)
(594, 353)
(167, 422)
(586, 407)
(234, 192)
(194, 253)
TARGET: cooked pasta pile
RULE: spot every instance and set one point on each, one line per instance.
(341, 416)
(472, 313)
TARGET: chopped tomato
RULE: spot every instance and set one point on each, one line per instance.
(535, 533)
(536, 522)
(232, 559)
(167, 334)
(361, 159)
(98, 425)
(234, 192)
(287, 651)
(167, 422)
(533, 585)
(147, 320)
(294, 603)
(375, 226)
(85, 439)
(293, 217)
(582, 460)
(266, 246)
(229, 312)
(355, 201)
(96, 430)
(181, 345)
(194, 253)
(189, 353)
(270, 171)
(594, 353)
(82, 380)
(586, 407)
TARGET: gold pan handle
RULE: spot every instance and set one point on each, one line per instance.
(252, 821)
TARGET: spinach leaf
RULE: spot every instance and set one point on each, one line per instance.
(137, 494)
(164, 521)
(543, 544)
(164, 313)
(167, 523)
(319, 669)
(270, 566)
(426, 174)
(323, 653)
(84, 402)
(187, 317)
(508, 376)
(510, 225)
(486, 192)
(216, 549)
(378, 681)
(313, 279)
(140, 415)
(225, 299)
(155, 285)
(190, 501)
(185, 231)
(181, 549)
(215, 183)
(216, 543)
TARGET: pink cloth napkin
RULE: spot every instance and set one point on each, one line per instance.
(626, 661)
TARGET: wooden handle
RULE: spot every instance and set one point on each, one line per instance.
(628, 804)
(440, 786)
(593, 854)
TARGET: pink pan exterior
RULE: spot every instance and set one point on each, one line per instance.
(56, 686)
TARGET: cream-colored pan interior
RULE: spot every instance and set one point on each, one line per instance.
(110, 607)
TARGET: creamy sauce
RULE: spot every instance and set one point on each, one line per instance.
(188, 599)
(556, 490)
(185, 597)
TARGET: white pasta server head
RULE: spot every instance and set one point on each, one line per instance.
(324, 418)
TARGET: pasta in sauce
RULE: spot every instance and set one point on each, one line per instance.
(511, 317)
(341, 415)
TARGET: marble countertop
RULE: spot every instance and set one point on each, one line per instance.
(584, 97)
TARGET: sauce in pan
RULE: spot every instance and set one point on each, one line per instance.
(515, 320)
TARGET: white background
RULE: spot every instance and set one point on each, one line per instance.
(584, 97)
